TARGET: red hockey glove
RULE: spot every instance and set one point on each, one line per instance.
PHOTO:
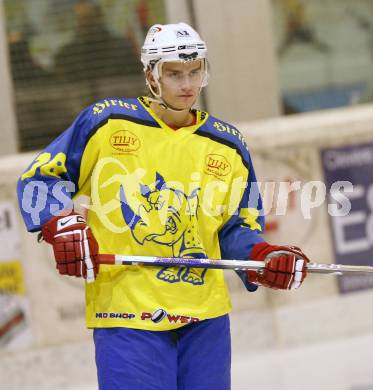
(75, 248)
(285, 266)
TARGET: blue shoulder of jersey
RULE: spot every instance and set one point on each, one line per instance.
(228, 135)
(74, 139)
(120, 108)
(60, 161)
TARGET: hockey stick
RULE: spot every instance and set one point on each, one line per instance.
(243, 265)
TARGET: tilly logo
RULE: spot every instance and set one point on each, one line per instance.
(217, 165)
(124, 141)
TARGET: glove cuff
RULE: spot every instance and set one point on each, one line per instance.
(258, 252)
(261, 250)
(61, 223)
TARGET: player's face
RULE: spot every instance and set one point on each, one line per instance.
(181, 83)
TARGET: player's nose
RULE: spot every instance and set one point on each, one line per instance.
(186, 84)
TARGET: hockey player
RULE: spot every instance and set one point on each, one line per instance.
(162, 179)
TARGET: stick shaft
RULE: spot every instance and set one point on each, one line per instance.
(225, 264)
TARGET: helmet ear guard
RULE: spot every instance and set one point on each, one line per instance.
(206, 74)
(151, 88)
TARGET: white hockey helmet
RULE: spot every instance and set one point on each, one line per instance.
(173, 42)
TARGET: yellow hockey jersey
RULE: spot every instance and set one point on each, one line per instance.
(151, 190)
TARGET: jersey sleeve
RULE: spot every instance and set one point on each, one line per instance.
(49, 183)
(245, 224)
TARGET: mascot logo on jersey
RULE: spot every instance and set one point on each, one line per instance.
(167, 216)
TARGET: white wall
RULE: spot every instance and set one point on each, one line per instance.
(243, 84)
(177, 11)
